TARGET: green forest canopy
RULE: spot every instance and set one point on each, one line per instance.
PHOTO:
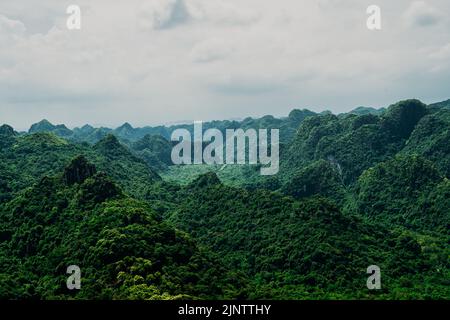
(356, 189)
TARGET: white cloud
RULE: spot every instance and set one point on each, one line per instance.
(223, 12)
(246, 85)
(10, 31)
(9, 26)
(422, 14)
(211, 50)
(162, 14)
(441, 59)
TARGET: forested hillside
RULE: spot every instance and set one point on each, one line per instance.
(125, 249)
(368, 187)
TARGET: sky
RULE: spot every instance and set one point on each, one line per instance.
(150, 62)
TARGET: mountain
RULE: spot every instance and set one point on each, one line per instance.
(288, 247)
(6, 130)
(85, 130)
(78, 171)
(93, 136)
(124, 249)
(7, 136)
(393, 192)
(46, 126)
(401, 118)
(319, 178)
(126, 131)
(122, 165)
(155, 150)
(287, 126)
(27, 159)
(128, 134)
(354, 143)
(42, 126)
(441, 105)
(360, 111)
(111, 148)
(430, 139)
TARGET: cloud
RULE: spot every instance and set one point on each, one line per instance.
(10, 31)
(246, 85)
(211, 50)
(422, 14)
(200, 59)
(9, 26)
(220, 12)
(441, 53)
(441, 58)
(165, 14)
(162, 14)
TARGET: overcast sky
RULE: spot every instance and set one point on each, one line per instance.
(158, 61)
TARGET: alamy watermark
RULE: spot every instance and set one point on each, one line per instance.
(374, 20)
(374, 280)
(74, 19)
(74, 280)
(238, 147)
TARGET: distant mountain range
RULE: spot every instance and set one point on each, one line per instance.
(127, 132)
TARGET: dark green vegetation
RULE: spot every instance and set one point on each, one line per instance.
(125, 248)
(357, 189)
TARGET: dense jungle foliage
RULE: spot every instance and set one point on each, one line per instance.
(368, 187)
